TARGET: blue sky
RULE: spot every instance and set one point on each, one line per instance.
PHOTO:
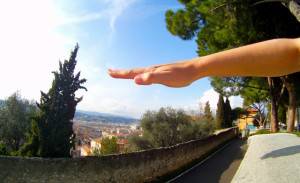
(111, 34)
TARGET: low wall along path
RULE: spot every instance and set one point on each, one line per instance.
(143, 166)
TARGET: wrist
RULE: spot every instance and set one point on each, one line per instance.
(201, 67)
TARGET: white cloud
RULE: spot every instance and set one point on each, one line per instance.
(212, 97)
(30, 46)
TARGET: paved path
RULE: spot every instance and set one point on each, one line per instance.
(273, 158)
(221, 167)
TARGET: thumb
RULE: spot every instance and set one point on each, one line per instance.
(144, 79)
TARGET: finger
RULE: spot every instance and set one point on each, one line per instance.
(125, 74)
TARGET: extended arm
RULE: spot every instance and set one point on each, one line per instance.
(269, 58)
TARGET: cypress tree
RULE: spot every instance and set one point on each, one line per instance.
(57, 109)
(31, 147)
(207, 113)
(220, 114)
(227, 112)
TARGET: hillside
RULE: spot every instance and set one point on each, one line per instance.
(89, 116)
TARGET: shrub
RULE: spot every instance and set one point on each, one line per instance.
(168, 127)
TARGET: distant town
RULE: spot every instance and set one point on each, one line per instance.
(91, 127)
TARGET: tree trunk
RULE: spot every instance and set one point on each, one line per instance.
(274, 116)
(260, 120)
(264, 123)
(292, 103)
(274, 106)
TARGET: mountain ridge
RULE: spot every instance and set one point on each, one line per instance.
(91, 116)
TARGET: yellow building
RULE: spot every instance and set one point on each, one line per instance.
(247, 120)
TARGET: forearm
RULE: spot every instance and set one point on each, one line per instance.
(269, 58)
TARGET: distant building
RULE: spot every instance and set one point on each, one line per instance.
(105, 134)
(135, 127)
(96, 143)
(122, 131)
(85, 150)
(247, 121)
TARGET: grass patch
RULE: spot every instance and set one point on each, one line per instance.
(261, 132)
(267, 131)
(296, 133)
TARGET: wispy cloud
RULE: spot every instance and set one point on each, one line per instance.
(113, 9)
(75, 19)
(116, 9)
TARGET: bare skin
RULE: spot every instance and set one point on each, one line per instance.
(265, 59)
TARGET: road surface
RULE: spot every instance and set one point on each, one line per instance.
(220, 167)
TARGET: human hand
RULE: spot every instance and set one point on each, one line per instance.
(173, 75)
(271, 58)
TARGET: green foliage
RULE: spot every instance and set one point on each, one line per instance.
(220, 114)
(216, 24)
(236, 112)
(219, 24)
(227, 86)
(109, 146)
(255, 91)
(31, 147)
(3, 150)
(208, 117)
(182, 23)
(168, 127)
(197, 130)
(223, 24)
(282, 114)
(53, 133)
(297, 133)
(163, 128)
(2, 103)
(15, 117)
(96, 152)
(137, 143)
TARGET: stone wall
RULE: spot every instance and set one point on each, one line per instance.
(143, 166)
